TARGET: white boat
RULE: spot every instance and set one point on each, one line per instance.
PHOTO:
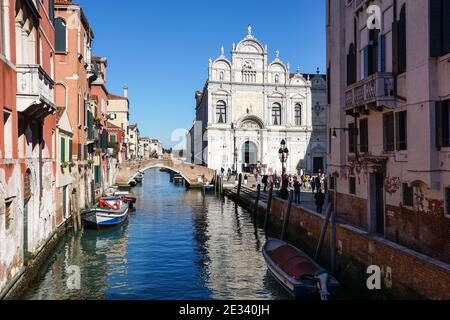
(110, 212)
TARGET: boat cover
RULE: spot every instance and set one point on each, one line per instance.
(295, 263)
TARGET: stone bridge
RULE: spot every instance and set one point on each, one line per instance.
(195, 176)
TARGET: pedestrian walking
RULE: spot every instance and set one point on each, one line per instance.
(297, 191)
(265, 182)
(320, 201)
(246, 180)
(318, 183)
(313, 184)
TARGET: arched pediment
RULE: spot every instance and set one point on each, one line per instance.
(222, 63)
(277, 67)
(298, 80)
(276, 94)
(250, 45)
(222, 93)
(251, 122)
(298, 96)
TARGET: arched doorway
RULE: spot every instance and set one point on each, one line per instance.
(249, 157)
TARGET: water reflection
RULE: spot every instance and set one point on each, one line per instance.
(178, 245)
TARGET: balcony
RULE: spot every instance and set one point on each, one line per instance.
(35, 91)
(376, 92)
(92, 72)
(359, 4)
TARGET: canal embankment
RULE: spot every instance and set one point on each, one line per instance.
(405, 274)
(30, 272)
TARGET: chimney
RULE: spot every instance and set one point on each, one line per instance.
(125, 92)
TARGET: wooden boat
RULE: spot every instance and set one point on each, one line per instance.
(139, 178)
(208, 188)
(110, 212)
(300, 275)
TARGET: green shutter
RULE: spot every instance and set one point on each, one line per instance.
(70, 150)
(97, 174)
(63, 150)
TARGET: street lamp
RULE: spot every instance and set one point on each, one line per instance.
(233, 127)
(283, 153)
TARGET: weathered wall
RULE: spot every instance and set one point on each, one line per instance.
(411, 272)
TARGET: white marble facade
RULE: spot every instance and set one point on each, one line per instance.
(248, 106)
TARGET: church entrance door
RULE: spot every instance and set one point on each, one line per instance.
(250, 157)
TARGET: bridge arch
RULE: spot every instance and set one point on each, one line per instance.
(193, 174)
(162, 167)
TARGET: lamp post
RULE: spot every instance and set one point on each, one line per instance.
(283, 153)
(233, 127)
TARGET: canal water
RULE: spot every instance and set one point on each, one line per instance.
(178, 245)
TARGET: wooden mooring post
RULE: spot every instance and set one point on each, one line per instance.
(258, 195)
(333, 242)
(323, 233)
(287, 216)
(238, 195)
(269, 209)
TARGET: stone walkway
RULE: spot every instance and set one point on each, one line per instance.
(307, 200)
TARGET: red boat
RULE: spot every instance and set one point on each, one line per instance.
(300, 275)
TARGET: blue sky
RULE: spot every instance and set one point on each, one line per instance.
(160, 49)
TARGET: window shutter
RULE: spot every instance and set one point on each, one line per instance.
(382, 53)
(401, 48)
(445, 123)
(446, 26)
(395, 47)
(388, 124)
(364, 136)
(436, 27)
(70, 150)
(63, 150)
(439, 125)
(401, 141)
(366, 62)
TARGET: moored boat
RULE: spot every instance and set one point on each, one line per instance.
(110, 212)
(139, 178)
(300, 275)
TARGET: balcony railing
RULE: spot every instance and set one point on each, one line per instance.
(378, 90)
(359, 4)
(35, 91)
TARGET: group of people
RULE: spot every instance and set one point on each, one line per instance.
(317, 184)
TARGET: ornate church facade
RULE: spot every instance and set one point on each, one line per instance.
(248, 106)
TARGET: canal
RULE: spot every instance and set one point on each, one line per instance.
(178, 245)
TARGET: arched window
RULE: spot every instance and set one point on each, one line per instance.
(276, 114)
(221, 112)
(277, 78)
(60, 35)
(298, 114)
(221, 76)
